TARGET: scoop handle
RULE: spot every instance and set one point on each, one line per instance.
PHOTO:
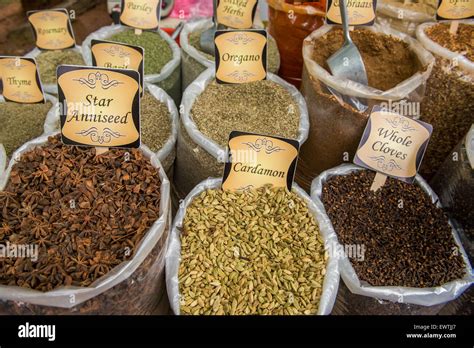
(214, 8)
(345, 21)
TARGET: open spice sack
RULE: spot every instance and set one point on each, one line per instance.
(449, 99)
(48, 62)
(396, 244)
(162, 55)
(454, 184)
(159, 120)
(21, 123)
(83, 234)
(405, 16)
(211, 111)
(195, 61)
(397, 68)
(252, 252)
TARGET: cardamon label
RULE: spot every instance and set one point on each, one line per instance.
(236, 14)
(359, 12)
(393, 144)
(99, 107)
(114, 55)
(241, 56)
(141, 14)
(257, 160)
(455, 9)
(52, 29)
(20, 81)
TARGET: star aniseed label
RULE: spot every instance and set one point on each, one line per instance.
(359, 12)
(52, 29)
(19, 80)
(100, 107)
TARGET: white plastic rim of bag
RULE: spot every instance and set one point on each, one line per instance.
(199, 85)
(418, 296)
(53, 120)
(462, 61)
(173, 255)
(51, 88)
(409, 14)
(3, 161)
(106, 32)
(61, 297)
(188, 29)
(350, 88)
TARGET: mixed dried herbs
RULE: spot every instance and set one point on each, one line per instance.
(86, 214)
(255, 252)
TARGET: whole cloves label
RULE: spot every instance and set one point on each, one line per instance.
(455, 9)
(52, 28)
(116, 55)
(141, 14)
(99, 107)
(241, 56)
(20, 81)
(393, 144)
(236, 14)
(256, 160)
(359, 12)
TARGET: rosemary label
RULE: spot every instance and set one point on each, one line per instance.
(52, 29)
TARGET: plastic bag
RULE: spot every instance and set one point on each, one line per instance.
(166, 155)
(290, 24)
(449, 100)
(418, 296)
(454, 184)
(195, 62)
(404, 17)
(168, 79)
(339, 108)
(51, 88)
(133, 287)
(199, 157)
(173, 256)
(51, 117)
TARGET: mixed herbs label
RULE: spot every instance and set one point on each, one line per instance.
(99, 107)
(52, 28)
(19, 80)
(241, 56)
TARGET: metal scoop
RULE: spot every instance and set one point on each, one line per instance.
(347, 63)
(207, 37)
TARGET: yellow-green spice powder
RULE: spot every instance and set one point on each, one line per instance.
(49, 61)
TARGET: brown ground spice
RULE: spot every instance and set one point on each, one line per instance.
(388, 60)
(462, 42)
